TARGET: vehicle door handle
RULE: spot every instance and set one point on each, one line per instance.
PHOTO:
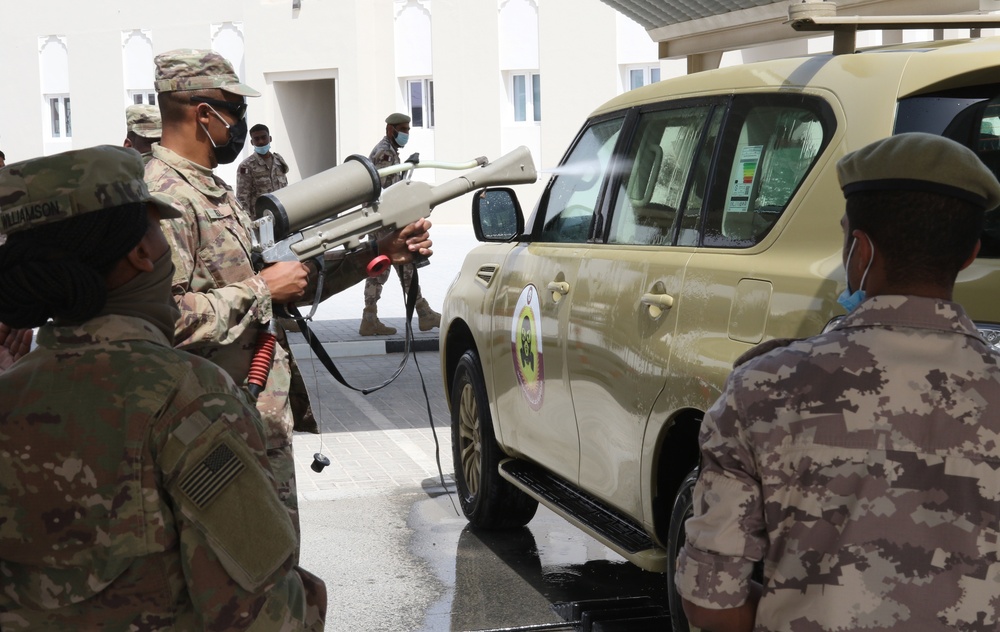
(559, 289)
(663, 301)
(656, 303)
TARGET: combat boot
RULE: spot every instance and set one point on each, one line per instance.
(372, 326)
(427, 318)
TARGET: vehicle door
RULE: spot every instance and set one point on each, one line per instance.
(628, 295)
(744, 285)
(538, 418)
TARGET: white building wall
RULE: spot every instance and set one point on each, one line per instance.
(330, 72)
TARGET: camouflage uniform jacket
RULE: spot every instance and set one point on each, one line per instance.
(135, 492)
(861, 466)
(254, 178)
(223, 304)
(385, 154)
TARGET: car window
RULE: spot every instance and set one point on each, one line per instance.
(971, 116)
(688, 231)
(656, 171)
(571, 198)
(769, 145)
(987, 146)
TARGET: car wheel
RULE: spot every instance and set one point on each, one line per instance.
(488, 500)
(683, 508)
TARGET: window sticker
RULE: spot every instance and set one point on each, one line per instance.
(526, 347)
(739, 196)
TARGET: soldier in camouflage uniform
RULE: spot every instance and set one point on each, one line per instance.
(386, 154)
(135, 492)
(261, 172)
(142, 124)
(861, 465)
(224, 302)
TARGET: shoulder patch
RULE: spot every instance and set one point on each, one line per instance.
(762, 348)
(212, 475)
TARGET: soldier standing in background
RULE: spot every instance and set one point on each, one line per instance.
(143, 128)
(224, 302)
(386, 154)
(135, 492)
(263, 171)
(861, 464)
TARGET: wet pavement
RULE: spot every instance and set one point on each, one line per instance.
(378, 525)
(388, 539)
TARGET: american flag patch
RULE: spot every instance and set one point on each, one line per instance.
(211, 476)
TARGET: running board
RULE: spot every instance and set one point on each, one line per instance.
(608, 525)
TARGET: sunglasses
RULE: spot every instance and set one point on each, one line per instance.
(239, 110)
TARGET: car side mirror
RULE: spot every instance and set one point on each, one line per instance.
(496, 215)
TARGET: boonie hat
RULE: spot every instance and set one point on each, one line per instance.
(144, 120)
(397, 119)
(916, 161)
(53, 188)
(197, 69)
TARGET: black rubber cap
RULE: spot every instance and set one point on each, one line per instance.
(319, 462)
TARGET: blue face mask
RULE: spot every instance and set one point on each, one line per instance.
(263, 149)
(401, 138)
(848, 299)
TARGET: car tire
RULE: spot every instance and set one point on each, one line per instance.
(488, 500)
(683, 508)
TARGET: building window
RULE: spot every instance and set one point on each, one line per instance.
(60, 116)
(526, 96)
(142, 97)
(639, 76)
(420, 102)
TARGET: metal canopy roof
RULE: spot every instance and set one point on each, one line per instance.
(695, 28)
(652, 14)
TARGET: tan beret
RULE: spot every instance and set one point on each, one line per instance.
(920, 162)
(397, 119)
(53, 188)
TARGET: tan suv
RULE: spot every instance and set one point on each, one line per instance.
(689, 221)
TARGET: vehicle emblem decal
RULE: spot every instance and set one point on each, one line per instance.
(526, 347)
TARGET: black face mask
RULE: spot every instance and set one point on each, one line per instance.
(229, 152)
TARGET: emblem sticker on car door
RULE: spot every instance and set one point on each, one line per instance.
(526, 347)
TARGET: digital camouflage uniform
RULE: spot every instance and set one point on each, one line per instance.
(134, 487)
(255, 178)
(105, 424)
(861, 466)
(223, 304)
(384, 154)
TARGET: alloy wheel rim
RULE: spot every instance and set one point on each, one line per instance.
(470, 445)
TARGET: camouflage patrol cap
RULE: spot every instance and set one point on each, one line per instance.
(53, 188)
(195, 69)
(144, 120)
(920, 162)
(397, 119)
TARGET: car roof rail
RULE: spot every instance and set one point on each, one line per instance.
(821, 15)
